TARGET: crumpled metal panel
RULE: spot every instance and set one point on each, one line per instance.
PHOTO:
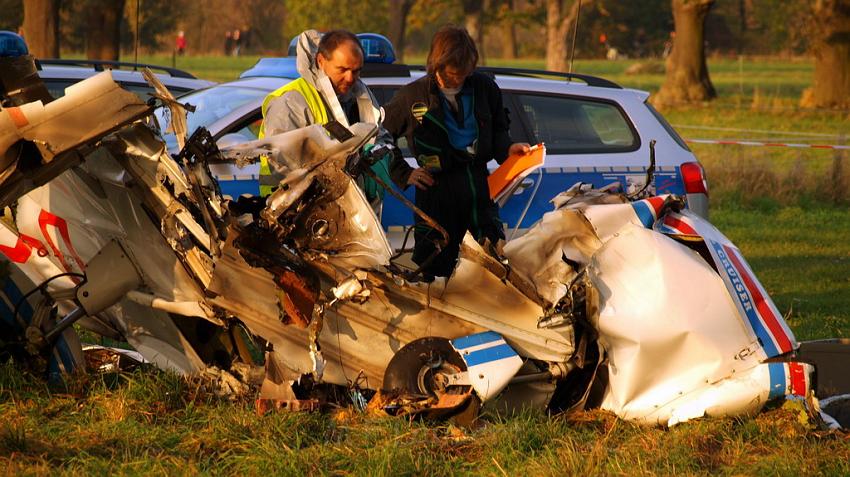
(538, 254)
(68, 221)
(667, 324)
(89, 109)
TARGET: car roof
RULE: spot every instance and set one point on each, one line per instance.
(505, 82)
(530, 84)
(562, 86)
(269, 83)
(78, 73)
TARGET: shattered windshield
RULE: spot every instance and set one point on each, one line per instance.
(210, 105)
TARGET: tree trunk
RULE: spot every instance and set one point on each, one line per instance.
(559, 24)
(103, 35)
(687, 78)
(41, 27)
(399, 9)
(473, 13)
(831, 47)
(509, 46)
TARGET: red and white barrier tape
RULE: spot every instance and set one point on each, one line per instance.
(758, 131)
(766, 144)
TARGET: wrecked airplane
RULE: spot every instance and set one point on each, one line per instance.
(630, 304)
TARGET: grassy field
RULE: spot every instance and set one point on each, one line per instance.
(786, 210)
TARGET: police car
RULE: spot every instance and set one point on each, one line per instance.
(58, 74)
(595, 131)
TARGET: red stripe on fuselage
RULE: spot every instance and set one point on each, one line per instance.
(22, 250)
(656, 203)
(768, 317)
(798, 379)
(679, 225)
(45, 218)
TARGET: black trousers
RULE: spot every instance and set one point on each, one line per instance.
(459, 201)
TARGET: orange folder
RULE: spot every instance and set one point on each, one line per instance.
(504, 180)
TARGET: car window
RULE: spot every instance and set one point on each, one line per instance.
(576, 125)
(210, 104)
(516, 129)
(56, 88)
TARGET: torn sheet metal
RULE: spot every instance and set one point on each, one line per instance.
(89, 110)
(335, 225)
(539, 253)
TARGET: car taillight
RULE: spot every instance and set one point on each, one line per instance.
(693, 176)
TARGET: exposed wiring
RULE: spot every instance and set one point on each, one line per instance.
(650, 172)
(39, 287)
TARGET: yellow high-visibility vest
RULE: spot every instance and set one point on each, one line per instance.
(317, 108)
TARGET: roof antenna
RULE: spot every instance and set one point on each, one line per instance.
(136, 40)
(573, 49)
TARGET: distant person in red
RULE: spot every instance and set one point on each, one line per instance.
(180, 43)
(603, 42)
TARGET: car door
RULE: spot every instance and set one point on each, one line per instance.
(589, 140)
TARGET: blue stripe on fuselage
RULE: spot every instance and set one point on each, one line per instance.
(476, 339)
(644, 214)
(777, 380)
(488, 355)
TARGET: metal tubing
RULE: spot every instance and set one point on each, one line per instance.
(64, 323)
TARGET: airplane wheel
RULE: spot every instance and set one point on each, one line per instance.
(424, 367)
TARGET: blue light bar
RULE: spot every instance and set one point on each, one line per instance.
(12, 44)
(376, 48)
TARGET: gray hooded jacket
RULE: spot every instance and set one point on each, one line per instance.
(290, 111)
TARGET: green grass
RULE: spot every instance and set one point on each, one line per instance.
(149, 424)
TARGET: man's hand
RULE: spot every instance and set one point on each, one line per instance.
(519, 148)
(420, 178)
